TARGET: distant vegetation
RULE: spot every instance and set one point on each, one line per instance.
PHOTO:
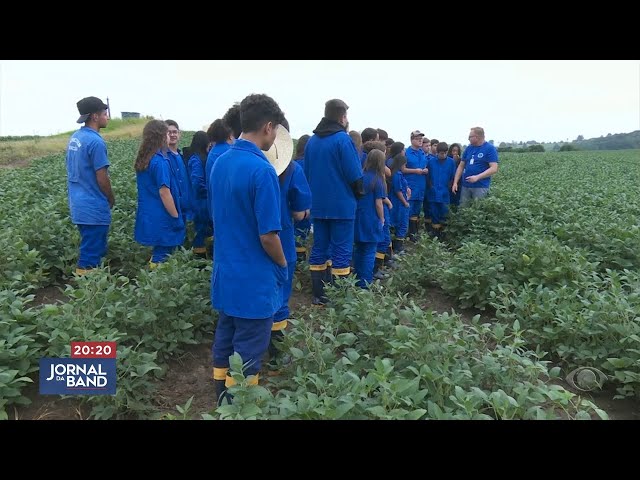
(618, 141)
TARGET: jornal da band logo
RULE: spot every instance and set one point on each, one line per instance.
(83, 375)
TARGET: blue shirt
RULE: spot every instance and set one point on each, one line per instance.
(180, 171)
(416, 159)
(245, 281)
(295, 196)
(399, 184)
(363, 159)
(197, 188)
(441, 176)
(331, 165)
(476, 160)
(154, 226)
(86, 154)
(306, 223)
(217, 150)
(367, 225)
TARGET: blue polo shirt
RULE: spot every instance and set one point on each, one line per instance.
(476, 160)
(217, 150)
(180, 170)
(331, 164)
(245, 202)
(197, 188)
(295, 196)
(441, 175)
(154, 226)
(367, 225)
(399, 184)
(417, 183)
(86, 154)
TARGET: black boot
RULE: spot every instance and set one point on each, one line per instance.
(221, 393)
(328, 276)
(398, 245)
(427, 226)
(390, 262)
(437, 230)
(317, 286)
(377, 264)
(413, 230)
(276, 337)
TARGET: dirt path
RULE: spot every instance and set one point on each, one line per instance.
(190, 374)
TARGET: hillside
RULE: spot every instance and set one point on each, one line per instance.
(20, 151)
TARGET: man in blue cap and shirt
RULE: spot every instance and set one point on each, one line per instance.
(90, 196)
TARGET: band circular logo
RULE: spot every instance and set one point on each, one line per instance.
(586, 379)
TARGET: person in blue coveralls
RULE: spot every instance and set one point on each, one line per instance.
(302, 227)
(368, 135)
(370, 217)
(180, 170)
(334, 172)
(400, 199)
(428, 153)
(415, 172)
(249, 266)
(90, 196)
(295, 204)
(196, 164)
(383, 249)
(442, 171)
(221, 138)
(479, 162)
(455, 151)
(159, 220)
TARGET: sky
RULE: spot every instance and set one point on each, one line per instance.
(520, 100)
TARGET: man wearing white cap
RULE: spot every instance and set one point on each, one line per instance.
(248, 259)
(90, 194)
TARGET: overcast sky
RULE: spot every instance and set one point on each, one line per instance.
(512, 100)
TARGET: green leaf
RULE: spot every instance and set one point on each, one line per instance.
(296, 352)
(250, 410)
(582, 415)
(342, 409)
(416, 414)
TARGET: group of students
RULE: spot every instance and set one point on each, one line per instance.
(412, 181)
(238, 183)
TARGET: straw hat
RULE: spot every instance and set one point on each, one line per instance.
(281, 152)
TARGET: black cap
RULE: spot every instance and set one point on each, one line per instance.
(89, 105)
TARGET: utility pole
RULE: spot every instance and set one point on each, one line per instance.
(108, 108)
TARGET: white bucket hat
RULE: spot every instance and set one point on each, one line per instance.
(281, 152)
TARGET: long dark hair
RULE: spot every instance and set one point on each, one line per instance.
(398, 161)
(154, 138)
(199, 144)
(375, 164)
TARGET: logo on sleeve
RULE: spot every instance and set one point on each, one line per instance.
(74, 144)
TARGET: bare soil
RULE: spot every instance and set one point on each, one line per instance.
(190, 375)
